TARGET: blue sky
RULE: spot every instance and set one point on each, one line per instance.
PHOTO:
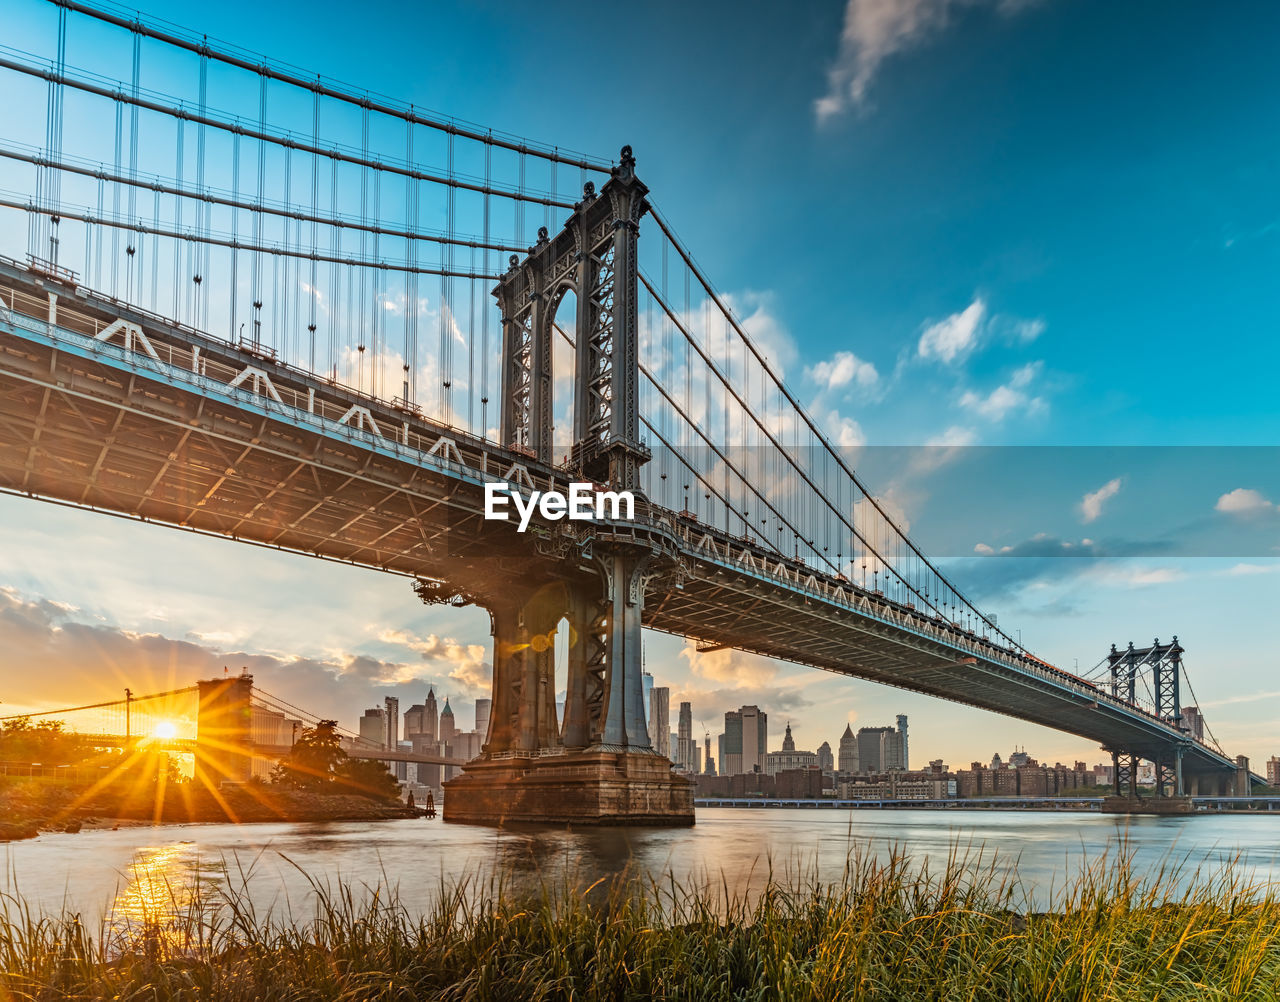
(970, 222)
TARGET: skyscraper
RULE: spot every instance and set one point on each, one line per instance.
(684, 738)
(826, 761)
(392, 706)
(483, 709)
(708, 763)
(373, 727)
(447, 729)
(430, 721)
(646, 682)
(746, 736)
(881, 749)
(659, 719)
(848, 750)
(412, 722)
(902, 734)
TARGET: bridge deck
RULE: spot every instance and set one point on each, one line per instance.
(188, 431)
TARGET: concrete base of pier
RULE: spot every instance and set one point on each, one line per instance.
(1148, 805)
(592, 787)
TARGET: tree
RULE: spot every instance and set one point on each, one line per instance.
(317, 762)
(314, 760)
(368, 778)
(46, 742)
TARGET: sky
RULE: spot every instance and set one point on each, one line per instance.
(1022, 254)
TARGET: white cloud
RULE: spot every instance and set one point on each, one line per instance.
(843, 368)
(1091, 504)
(1244, 501)
(1007, 398)
(844, 432)
(1028, 330)
(954, 437)
(954, 336)
(876, 29)
(996, 404)
(1240, 570)
(1023, 376)
(1135, 577)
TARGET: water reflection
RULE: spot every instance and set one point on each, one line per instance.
(276, 868)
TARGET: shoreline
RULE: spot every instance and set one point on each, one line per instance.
(185, 807)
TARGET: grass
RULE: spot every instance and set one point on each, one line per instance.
(889, 930)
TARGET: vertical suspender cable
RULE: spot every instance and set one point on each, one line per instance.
(235, 233)
(376, 280)
(257, 212)
(204, 209)
(131, 248)
(313, 293)
(410, 280)
(484, 323)
(178, 201)
(364, 234)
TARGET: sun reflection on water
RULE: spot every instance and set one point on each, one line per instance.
(165, 888)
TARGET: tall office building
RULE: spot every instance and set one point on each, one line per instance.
(849, 751)
(720, 746)
(484, 707)
(646, 682)
(826, 761)
(392, 706)
(708, 763)
(659, 719)
(373, 727)
(412, 722)
(881, 749)
(430, 719)
(447, 728)
(746, 736)
(905, 764)
(684, 738)
(870, 740)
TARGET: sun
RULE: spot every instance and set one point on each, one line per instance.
(165, 731)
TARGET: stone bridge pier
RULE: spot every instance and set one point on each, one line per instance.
(596, 765)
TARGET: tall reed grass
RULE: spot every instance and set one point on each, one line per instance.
(888, 930)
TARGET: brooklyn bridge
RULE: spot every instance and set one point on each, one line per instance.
(265, 306)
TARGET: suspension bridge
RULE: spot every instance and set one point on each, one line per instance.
(251, 302)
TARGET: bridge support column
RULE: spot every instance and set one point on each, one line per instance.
(624, 583)
(599, 768)
(1243, 787)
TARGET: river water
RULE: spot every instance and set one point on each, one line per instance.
(142, 870)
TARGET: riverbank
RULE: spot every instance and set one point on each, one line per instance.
(29, 807)
(887, 930)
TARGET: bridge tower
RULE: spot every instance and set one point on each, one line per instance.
(1160, 668)
(597, 765)
(224, 730)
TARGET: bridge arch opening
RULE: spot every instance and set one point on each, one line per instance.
(560, 678)
(564, 339)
